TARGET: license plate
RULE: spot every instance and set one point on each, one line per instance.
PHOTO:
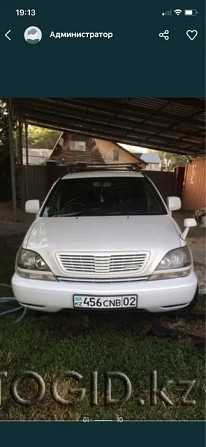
(109, 302)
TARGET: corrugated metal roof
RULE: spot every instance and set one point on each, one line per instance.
(167, 124)
(151, 158)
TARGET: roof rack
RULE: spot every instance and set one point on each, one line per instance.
(82, 166)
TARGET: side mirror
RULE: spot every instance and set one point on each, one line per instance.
(188, 223)
(173, 203)
(32, 206)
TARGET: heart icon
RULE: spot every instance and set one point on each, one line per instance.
(192, 33)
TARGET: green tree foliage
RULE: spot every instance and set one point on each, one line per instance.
(41, 138)
(5, 174)
(37, 138)
(169, 160)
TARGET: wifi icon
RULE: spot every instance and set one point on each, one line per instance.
(177, 11)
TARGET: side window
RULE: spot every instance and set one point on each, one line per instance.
(115, 155)
(77, 146)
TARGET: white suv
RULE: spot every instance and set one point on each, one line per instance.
(105, 239)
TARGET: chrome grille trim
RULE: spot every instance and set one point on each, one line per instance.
(100, 280)
(102, 265)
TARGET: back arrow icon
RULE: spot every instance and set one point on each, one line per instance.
(6, 35)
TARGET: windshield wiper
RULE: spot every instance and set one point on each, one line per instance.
(106, 212)
(75, 213)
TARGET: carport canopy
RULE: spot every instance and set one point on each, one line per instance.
(163, 124)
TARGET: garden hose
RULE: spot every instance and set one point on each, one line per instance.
(7, 299)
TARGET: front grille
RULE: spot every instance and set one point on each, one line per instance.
(103, 265)
(103, 281)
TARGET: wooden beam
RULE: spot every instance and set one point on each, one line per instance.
(12, 160)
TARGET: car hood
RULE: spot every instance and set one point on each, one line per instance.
(154, 234)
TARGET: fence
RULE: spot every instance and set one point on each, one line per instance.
(37, 180)
(194, 195)
(164, 181)
(33, 183)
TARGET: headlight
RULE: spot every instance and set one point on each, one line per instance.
(31, 265)
(176, 263)
(175, 259)
(28, 259)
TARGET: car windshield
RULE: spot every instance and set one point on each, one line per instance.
(100, 196)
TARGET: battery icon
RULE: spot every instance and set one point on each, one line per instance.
(190, 12)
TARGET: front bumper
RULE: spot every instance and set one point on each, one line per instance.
(153, 296)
